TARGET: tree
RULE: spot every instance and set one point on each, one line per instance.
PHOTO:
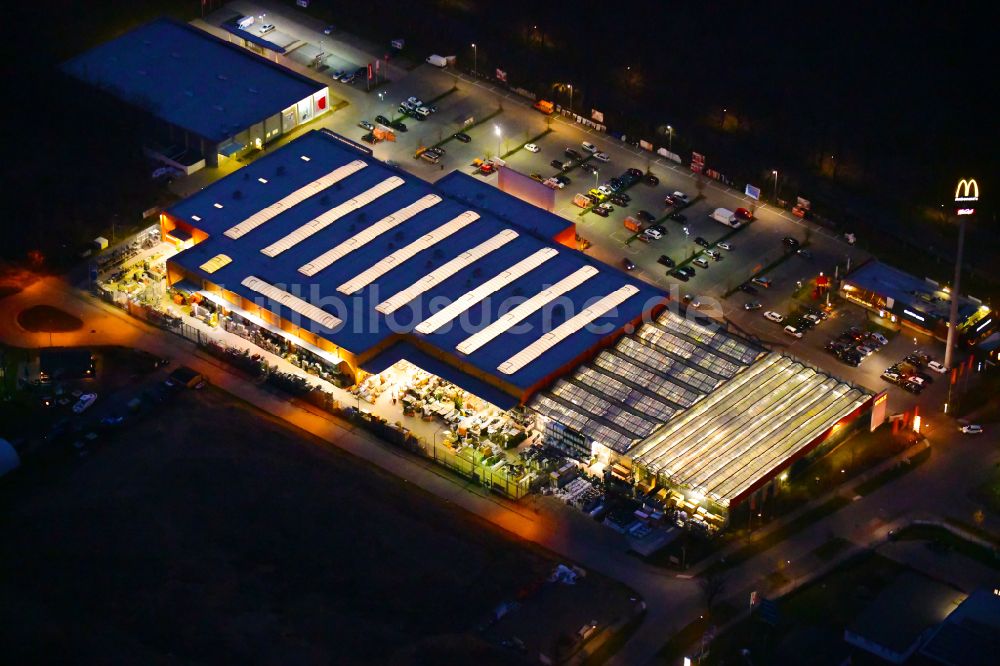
(713, 584)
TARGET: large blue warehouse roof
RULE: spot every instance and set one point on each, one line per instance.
(191, 79)
(443, 271)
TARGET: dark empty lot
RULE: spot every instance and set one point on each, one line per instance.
(210, 534)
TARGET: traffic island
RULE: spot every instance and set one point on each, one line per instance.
(47, 319)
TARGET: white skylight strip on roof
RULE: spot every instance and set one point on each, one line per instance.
(386, 264)
(526, 309)
(369, 234)
(329, 217)
(441, 274)
(566, 329)
(298, 196)
(470, 298)
(294, 303)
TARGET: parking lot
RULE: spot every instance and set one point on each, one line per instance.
(500, 122)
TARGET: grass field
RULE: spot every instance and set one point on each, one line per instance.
(211, 534)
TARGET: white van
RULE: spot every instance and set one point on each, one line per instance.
(725, 216)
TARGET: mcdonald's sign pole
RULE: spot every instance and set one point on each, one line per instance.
(966, 196)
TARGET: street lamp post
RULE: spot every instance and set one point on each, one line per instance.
(499, 133)
(475, 61)
(670, 139)
(570, 86)
(775, 174)
(966, 196)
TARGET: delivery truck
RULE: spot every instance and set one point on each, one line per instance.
(437, 61)
(727, 217)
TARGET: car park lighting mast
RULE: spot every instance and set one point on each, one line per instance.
(475, 61)
(499, 133)
(966, 196)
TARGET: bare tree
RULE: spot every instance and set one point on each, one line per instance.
(713, 584)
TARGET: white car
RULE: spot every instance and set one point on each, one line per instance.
(553, 183)
(770, 315)
(654, 234)
(84, 403)
(792, 331)
(531, 147)
(680, 196)
(603, 157)
(415, 101)
(724, 245)
(589, 147)
(605, 190)
(972, 429)
(937, 367)
(266, 28)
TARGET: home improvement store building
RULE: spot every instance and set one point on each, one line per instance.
(365, 265)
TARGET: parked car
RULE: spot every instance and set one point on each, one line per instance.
(414, 101)
(972, 429)
(366, 125)
(680, 198)
(715, 254)
(724, 245)
(751, 305)
(601, 211)
(557, 164)
(654, 233)
(572, 153)
(762, 281)
(645, 216)
(266, 28)
(462, 136)
(383, 120)
(936, 367)
(602, 157)
(687, 270)
(589, 147)
(329, 30)
(792, 331)
(678, 217)
(666, 261)
(398, 125)
(635, 173)
(627, 264)
(650, 179)
(531, 147)
(347, 78)
(743, 214)
(85, 401)
(563, 180)
(486, 168)
(700, 262)
(790, 242)
(771, 315)
(701, 241)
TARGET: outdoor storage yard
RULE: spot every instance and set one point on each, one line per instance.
(213, 534)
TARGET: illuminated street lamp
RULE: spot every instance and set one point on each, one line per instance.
(775, 174)
(499, 133)
(475, 61)
(670, 139)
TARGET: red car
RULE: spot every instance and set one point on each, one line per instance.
(743, 214)
(486, 168)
